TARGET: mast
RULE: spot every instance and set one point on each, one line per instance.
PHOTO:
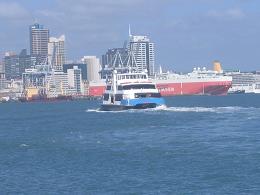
(129, 31)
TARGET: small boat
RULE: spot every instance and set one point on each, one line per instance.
(130, 90)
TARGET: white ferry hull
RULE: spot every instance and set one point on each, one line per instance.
(112, 107)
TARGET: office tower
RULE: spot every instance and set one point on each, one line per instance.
(75, 80)
(39, 38)
(56, 52)
(143, 51)
(15, 65)
(25, 61)
(116, 57)
(93, 67)
(81, 66)
(11, 65)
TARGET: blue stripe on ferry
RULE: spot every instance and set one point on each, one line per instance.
(134, 102)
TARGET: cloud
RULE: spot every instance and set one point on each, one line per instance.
(233, 13)
(236, 13)
(106, 8)
(12, 11)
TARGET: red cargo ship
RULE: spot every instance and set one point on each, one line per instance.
(198, 82)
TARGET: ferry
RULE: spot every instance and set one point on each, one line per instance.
(130, 90)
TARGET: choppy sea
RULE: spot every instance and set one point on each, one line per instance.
(196, 145)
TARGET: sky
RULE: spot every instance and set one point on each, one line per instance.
(186, 33)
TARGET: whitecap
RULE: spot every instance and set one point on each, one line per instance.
(24, 145)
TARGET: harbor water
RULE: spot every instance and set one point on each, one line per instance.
(196, 145)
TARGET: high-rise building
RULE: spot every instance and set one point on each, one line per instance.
(25, 61)
(93, 67)
(115, 57)
(56, 52)
(15, 65)
(75, 80)
(11, 65)
(143, 51)
(39, 38)
(81, 66)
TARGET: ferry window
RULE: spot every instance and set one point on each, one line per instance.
(155, 95)
(118, 97)
(143, 95)
(109, 87)
(140, 95)
(120, 87)
(106, 97)
(142, 86)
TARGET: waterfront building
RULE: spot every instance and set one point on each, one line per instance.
(43, 81)
(56, 52)
(93, 67)
(2, 67)
(81, 66)
(143, 51)
(39, 38)
(247, 81)
(75, 80)
(3, 82)
(57, 84)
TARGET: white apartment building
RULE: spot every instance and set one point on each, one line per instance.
(57, 84)
(93, 67)
(56, 52)
(75, 80)
(143, 51)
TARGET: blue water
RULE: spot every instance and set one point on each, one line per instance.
(197, 145)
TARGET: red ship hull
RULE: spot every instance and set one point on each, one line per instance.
(172, 89)
(97, 91)
(194, 88)
(46, 99)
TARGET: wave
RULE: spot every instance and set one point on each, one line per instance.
(228, 109)
(102, 111)
(24, 145)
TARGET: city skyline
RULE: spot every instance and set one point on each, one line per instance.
(186, 34)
